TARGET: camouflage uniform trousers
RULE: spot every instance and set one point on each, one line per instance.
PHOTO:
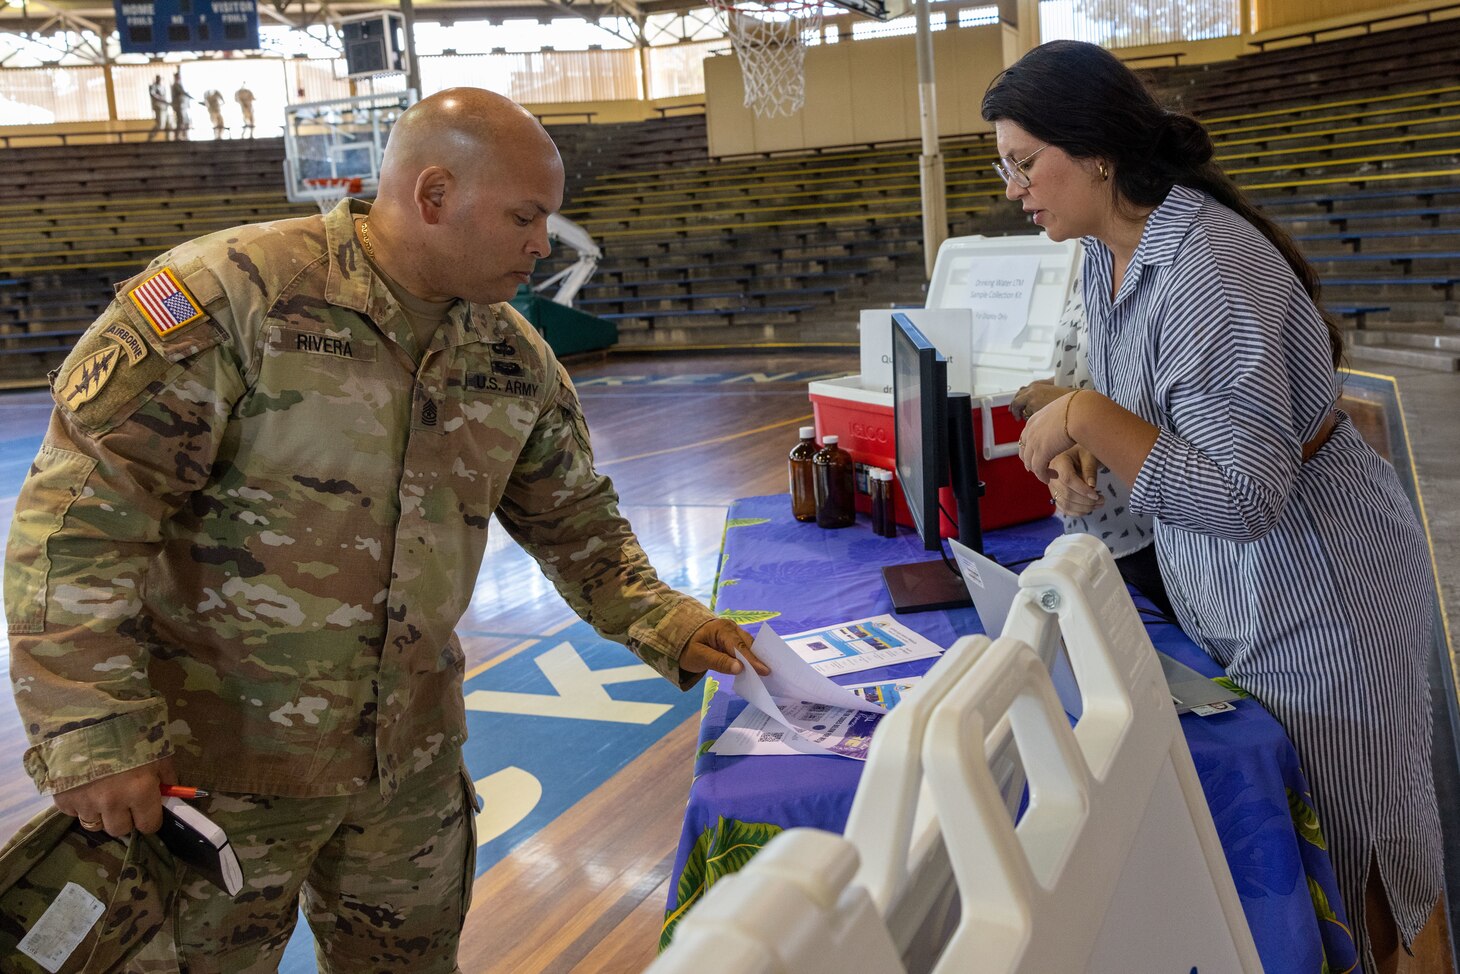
(385, 885)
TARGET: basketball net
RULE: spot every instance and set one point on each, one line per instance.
(329, 190)
(770, 39)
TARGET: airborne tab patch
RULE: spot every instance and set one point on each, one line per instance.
(86, 379)
(131, 343)
(165, 303)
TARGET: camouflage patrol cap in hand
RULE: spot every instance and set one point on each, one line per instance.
(88, 901)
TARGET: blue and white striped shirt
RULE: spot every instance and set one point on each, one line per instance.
(1308, 581)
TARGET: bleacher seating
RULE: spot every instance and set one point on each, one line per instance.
(1402, 58)
(790, 246)
(693, 225)
(80, 218)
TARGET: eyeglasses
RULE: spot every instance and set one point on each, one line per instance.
(1013, 172)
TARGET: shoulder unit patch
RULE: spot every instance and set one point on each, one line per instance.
(86, 379)
(165, 303)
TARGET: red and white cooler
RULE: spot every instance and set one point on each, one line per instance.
(993, 307)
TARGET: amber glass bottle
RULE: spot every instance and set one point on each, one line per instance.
(835, 487)
(803, 486)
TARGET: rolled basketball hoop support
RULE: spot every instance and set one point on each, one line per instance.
(770, 38)
(327, 191)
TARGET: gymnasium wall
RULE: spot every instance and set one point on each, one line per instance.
(861, 92)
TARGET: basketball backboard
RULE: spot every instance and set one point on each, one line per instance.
(880, 9)
(333, 148)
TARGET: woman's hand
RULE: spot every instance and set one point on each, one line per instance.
(1034, 397)
(1045, 437)
(1073, 485)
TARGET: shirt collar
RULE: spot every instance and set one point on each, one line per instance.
(352, 283)
(1167, 226)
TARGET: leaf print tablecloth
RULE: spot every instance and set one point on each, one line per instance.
(801, 577)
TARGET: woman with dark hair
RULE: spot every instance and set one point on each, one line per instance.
(1289, 550)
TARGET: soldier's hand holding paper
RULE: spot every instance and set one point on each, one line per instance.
(714, 647)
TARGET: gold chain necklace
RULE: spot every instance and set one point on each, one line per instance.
(365, 239)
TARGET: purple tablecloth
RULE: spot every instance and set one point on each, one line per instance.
(803, 577)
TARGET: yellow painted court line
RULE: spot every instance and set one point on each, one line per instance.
(711, 442)
(550, 631)
(1424, 522)
(558, 627)
(500, 658)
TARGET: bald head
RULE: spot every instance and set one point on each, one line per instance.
(470, 132)
(468, 181)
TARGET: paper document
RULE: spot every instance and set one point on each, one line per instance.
(791, 679)
(863, 644)
(814, 728)
(800, 711)
(1000, 289)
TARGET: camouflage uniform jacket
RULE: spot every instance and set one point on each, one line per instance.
(247, 536)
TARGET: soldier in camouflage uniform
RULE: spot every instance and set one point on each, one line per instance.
(259, 512)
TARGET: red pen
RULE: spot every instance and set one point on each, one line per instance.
(178, 791)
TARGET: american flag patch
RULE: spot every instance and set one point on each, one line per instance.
(164, 302)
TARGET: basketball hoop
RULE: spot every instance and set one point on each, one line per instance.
(770, 37)
(327, 191)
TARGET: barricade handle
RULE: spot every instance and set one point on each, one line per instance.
(883, 817)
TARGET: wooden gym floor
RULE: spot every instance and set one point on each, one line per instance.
(682, 436)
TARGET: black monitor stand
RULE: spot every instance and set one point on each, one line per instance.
(923, 586)
(928, 585)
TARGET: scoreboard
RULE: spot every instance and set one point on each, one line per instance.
(187, 25)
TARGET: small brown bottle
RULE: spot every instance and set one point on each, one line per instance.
(879, 499)
(803, 486)
(883, 521)
(835, 485)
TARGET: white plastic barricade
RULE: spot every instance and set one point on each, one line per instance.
(905, 865)
(792, 910)
(1114, 866)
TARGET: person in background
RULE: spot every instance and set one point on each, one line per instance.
(180, 99)
(161, 109)
(258, 514)
(244, 97)
(213, 98)
(1289, 550)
